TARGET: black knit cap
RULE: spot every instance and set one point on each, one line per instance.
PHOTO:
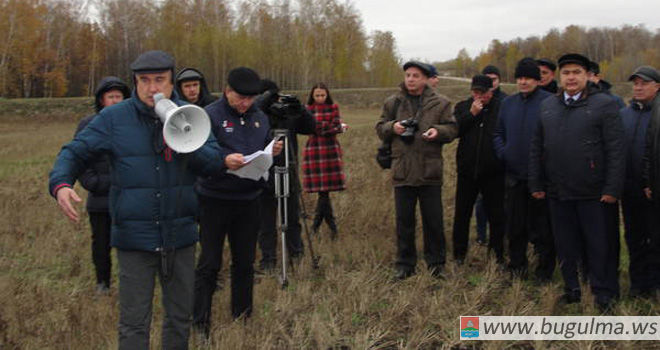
(422, 66)
(244, 81)
(153, 62)
(547, 63)
(646, 73)
(528, 68)
(594, 67)
(574, 58)
(490, 69)
(482, 83)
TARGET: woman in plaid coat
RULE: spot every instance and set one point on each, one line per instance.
(322, 165)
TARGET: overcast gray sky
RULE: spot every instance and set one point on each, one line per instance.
(435, 30)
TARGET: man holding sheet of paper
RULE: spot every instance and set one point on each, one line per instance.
(229, 202)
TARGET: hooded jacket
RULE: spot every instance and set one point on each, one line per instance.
(475, 155)
(152, 202)
(96, 178)
(420, 162)
(578, 148)
(516, 123)
(188, 74)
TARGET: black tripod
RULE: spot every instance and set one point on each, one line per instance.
(282, 183)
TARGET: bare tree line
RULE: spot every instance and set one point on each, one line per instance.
(618, 50)
(53, 48)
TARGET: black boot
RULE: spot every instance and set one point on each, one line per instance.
(330, 218)
(318, 215)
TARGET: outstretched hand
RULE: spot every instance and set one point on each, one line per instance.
(64, 197)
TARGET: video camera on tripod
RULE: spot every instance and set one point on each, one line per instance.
(285, 106)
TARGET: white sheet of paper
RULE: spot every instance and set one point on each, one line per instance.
(256, 164)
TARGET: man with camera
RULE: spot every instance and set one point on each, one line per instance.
(287, 115)
(418, 122)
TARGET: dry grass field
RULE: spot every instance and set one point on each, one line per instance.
(47, 279)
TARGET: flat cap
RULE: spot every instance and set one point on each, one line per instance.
(422, 66)
(187, 74)
(245, 81)
(490, 69)
(574, 58)
(547, 63)
(594, 67)
(433, 70)
(647, 73)
(153, 62)
(481, 82)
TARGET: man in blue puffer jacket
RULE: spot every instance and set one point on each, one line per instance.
(527, 218)
(638, 211)
(152, 202)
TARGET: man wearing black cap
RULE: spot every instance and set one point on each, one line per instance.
(230, 204)
(594, 77)
(479, 170)
(527, 218)
(638, 211)
(152, 203)
(418, 122)
(494, 74)
(547, 68)
(577, 160)
(191, 86)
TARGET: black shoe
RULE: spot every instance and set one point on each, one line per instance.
(459, 260)
(103, 288)
(605, 304)
(571, 297)
(401, 274)
(481, 242)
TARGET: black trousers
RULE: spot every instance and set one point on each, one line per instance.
(239, 221)
(585, 228)
(638, 222)
(467, 189)
(527, 220)
(101, 223)
(430, 204)
(269, 224)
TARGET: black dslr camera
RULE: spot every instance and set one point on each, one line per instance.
(286, 106)
(411, 126)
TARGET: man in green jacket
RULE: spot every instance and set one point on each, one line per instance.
(418, 122)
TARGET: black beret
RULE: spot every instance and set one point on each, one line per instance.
(188, 74)
(153, 62)
(647, 73)
(481, 83)
(574, 58)
(547, 63)
(490, 69)
(594, 67)
(244, 81)
(527, 67)
(422, 66)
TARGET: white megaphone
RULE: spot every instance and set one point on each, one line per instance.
(185, 128)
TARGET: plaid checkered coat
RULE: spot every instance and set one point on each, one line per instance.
(322, 166)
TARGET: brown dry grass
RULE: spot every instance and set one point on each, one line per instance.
(47, 287)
